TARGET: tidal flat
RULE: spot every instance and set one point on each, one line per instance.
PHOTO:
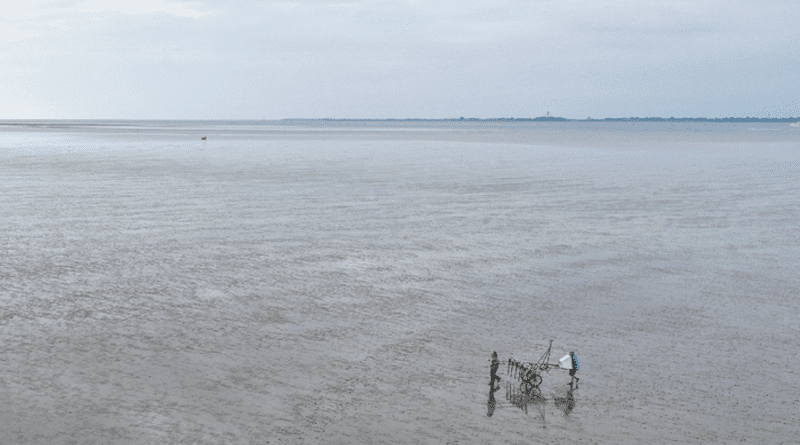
(346, 283)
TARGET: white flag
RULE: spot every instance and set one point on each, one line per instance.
(566, 362)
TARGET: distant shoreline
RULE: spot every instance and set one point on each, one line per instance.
(122, 122)
(562, 119)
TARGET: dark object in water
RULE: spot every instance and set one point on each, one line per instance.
(203, 138)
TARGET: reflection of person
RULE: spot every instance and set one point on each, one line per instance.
(574, 369)
(566, 404)
(492, 403)
(493, 373)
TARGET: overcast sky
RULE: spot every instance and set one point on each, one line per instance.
(166, 59)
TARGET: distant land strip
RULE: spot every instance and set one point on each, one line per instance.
(57, 123)
(562, 119)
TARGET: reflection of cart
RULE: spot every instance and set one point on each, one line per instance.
(529, 374)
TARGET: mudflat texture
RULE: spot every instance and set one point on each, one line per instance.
(337, 286)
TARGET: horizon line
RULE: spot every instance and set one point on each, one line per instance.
(423, 119)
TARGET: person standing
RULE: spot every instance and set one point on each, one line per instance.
(493, 372)
(574, 369)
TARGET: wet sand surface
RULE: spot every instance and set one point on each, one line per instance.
(311, 288)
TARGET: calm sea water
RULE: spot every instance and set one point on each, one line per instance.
(325, 282)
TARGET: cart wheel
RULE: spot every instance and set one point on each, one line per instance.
(532, 378)
(526, 376)
(526, 388)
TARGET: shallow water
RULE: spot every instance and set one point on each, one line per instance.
(307, 284)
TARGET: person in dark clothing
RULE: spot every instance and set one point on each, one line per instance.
(493, 372)
(574, 369)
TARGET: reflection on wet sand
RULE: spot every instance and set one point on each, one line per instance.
(566, 404)
(492, 402)
(522, 397)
